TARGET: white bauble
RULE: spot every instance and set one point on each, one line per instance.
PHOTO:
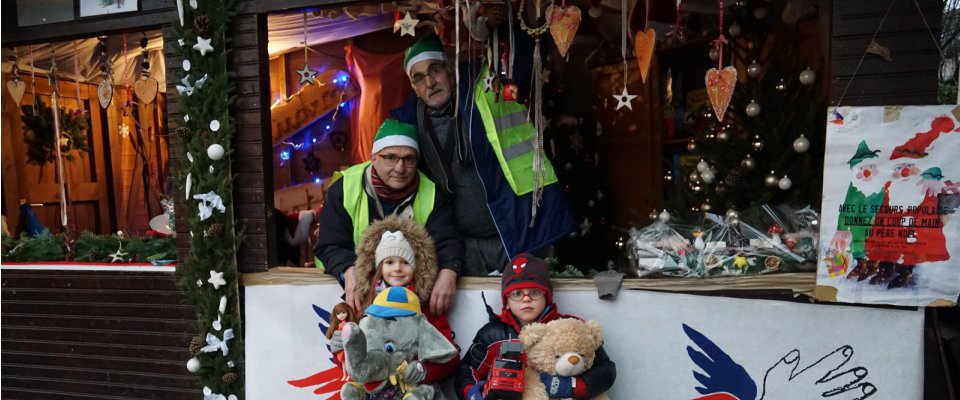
(801, 144)
(215, 152)
(753, 109)
(785, 183)
(807, 77)
(193, 365)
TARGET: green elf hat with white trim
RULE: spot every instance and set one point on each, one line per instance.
(395, 133)
(428, 48)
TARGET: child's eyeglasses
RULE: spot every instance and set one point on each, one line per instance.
(518, 294)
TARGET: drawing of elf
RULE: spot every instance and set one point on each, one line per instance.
(859, 207)
(908, 228)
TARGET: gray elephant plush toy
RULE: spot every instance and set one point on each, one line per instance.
(384, 352)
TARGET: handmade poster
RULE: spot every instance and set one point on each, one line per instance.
(666, 346)
(889, 224)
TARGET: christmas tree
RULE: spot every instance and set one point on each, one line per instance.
(768, 146)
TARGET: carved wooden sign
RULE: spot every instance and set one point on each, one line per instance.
(310, 103)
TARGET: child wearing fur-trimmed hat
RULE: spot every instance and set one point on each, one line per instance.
(527, 296)
(397, 251)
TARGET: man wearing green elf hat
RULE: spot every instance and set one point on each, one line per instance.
(480, 149)
(388, 184)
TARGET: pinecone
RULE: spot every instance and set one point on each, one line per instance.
(196, 344)
(201, 24)
(215, 230)
(183, 132)
(229, 378)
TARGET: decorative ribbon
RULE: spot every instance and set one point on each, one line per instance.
(214, 343)
(208, 202)
(720, 40)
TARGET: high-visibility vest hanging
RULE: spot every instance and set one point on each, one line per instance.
(512, 136)
(357, 203)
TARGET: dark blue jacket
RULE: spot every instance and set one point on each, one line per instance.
(510, 212)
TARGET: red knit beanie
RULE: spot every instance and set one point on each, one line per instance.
(524, 272)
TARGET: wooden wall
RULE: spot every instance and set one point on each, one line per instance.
(910, 78)
(95, 334)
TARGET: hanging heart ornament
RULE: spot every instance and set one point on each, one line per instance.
(105, 93)
(16, 87)
(146, 89)
(644, 42)
(720, 88)
(564, 22)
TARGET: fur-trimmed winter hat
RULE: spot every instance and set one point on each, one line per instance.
(394, 244)
(524, 272)
(421, 244)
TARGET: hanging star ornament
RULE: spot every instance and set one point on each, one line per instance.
(624, 99)
(488, 82)
(585, 227)
(307, 75)
(118, 256)
(203, 46)
(407, 25)
(216, 279)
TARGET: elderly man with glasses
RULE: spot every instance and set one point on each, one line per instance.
(478, 148)
(388, 184)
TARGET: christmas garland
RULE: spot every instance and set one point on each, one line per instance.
(39, 137)
(209, 273)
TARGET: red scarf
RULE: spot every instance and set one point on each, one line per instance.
(389, 194)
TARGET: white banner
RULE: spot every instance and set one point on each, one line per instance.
(741, 349)
(891, 186)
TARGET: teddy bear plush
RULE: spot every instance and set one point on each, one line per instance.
(564, 347)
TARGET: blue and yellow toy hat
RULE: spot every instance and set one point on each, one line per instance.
(396, 301)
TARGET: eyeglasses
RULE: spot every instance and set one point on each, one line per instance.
(433, 71)
(519, 294)
(391, 160)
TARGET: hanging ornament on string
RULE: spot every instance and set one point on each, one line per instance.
(407, 25)
(753, 109)
(564, 22)
(785, 183)
(15, 85)
(735, 29)
(306, 74)
(539, 162)
(105, 88)
(644, 43)
(757, 143)
(146, 87)
(801, 144)
(676, 35)
(127, 106)
(754, 69)
(624, 99)
(748, 163)
(724, 134)
(720, 81)
(807, 77)
(771, 180)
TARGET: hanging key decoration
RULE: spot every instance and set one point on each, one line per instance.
(15, 85)
(306, 74)
(105, 88)
(146, 87)
(624, 99)
(720, 81)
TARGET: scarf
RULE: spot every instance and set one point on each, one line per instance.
(388, 194)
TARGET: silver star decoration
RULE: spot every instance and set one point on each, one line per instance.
(124, 130)
(216, 279)
(585, 227)
(624, 99)
(488, 82)
(118, 256)
(408, 25)
(307, 75)
(203, 46)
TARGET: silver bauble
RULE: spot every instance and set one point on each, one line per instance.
(692, 146)
(771, 180)
(754, 69)
(694, 176)
(703, 165)
(714, 54)
(748, 163)
(708, 176)
(757, 143)
(705, 206)
(801, 144)
(785, 183)
(732, 214)
(595, 12)
(760, 13)
(753, 109)
(723, 135)
(807, 77)
(735, 29)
